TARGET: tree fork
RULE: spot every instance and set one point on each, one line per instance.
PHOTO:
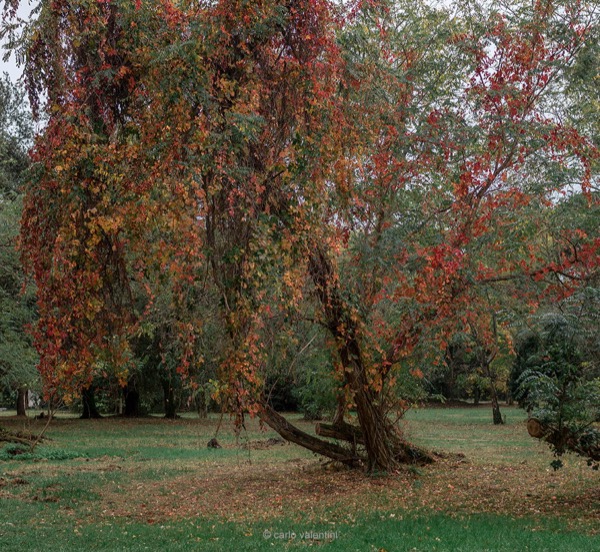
(341, 431)
(404, 452)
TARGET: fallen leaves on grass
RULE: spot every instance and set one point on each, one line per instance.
(250, 493)
(502, 474)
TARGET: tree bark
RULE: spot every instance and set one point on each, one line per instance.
(340, 410)
(169, 400)
(88, 400)
(379, 434)
(403, 451)
(341, 431)
(496, 414)
(22, 398)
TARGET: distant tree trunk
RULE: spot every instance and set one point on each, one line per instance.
(509, 399)
(487, 365)
(202, 404)
(476, 396)
(169, 399)
(22, 398)
(496, 414)
(132, 400)
(89, 404)
(340, 410)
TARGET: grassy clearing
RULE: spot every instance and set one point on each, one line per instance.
(369, 533)
(151, 484)
(470, 431)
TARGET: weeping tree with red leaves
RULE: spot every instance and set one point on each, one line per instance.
(346, 164)
(71, 237)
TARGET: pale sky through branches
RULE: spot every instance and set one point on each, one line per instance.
(10, 66)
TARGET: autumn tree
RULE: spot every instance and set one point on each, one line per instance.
(469, 158)
(346, 164)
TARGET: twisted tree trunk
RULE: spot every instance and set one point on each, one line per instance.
(384, 445)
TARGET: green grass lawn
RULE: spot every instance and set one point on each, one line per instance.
(151, 484)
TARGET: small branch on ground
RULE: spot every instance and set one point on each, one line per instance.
(19, 437)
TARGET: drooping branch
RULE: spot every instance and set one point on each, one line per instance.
(24, 438)
(586, 443)
(291, 433)
(19, 438)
